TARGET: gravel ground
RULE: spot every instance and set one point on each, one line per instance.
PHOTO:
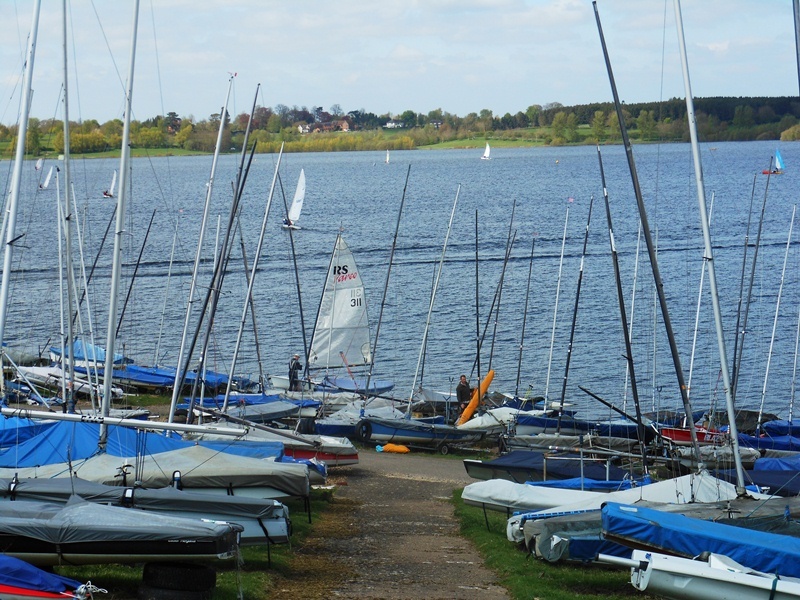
(391, 534)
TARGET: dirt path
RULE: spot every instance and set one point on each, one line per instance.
(391, 534)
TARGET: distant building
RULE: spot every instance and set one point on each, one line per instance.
(394, 124)
(436, 124)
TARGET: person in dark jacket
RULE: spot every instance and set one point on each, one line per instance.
(294, 373)
(463, 394)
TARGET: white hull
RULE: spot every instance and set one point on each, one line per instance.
(718, 577)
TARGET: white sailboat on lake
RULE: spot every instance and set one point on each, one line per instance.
(486, 152)
(109, 193)
(290, 222)
(46, 183)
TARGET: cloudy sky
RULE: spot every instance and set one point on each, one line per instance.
(391, 55)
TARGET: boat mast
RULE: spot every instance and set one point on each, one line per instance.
(709, 256)
(180, 376)
(796, 10)
(697, 310)
(648, 238)
(775, 323)
(624, 317)
(388, 272)
(122, 198)
(10, 222)
(575, 316)
(433, 299)
(524, 319)
(510, 239)
(251, 281)
(555, 310)
(69, 398)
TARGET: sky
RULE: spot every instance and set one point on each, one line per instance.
(389, 56)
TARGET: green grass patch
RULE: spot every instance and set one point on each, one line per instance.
(527, 577)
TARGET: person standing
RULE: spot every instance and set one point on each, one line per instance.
(294, 373)
(463, 394)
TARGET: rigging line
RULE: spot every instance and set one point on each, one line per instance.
(108, 47)
(509, 244)
(251, 304)
(575, 314)
(524, 320)
(135, 271)
(386, 283)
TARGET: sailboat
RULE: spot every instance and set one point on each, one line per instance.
(38, 165)
(387, 157)
(341, 339)
(486, 152)
(779, 165)
(290, 222)
(46, 183)
(109, 193)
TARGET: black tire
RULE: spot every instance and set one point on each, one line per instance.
(147, 592)
(364, 430)
(306, 425)
(182, 577)
(444, 449)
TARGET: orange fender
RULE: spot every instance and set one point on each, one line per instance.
(476, 398)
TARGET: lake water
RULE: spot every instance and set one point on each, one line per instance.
(359, 194)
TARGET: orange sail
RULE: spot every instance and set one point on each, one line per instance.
(476, 398)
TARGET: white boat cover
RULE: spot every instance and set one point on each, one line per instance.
(200, 469)
(699, 487)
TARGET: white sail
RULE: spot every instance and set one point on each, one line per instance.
(38, 165)
(486, 152)
(46, 183)
(109, 193)
(779, 165)
(387, 157)
(299, 196)
(341, 336)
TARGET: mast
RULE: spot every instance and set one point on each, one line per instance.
(648, 238)
(524, 319)
(388, 272)
(775, 323)
(179, 375)
(122, 199)
(433, 298)
(623, 316)
(709, 256)
(10, 222)
(555, 310)
(796, 10)
(69, 399)
(496, 314)
(251, 281)
(574, 316)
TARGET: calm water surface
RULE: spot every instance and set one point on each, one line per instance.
(360, 195)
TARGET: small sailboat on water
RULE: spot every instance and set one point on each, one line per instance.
(779, 166)
(387, 157)
(38, 165)
(109, 193)
(46, 184)
(486, 152)
(290, 222)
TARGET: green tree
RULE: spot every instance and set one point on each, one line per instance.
(532, 112)
(409, 119)
(183, 134)
(559, 125)
(571, 129)
(646, 125)
(599, 129)
(744, 116)
(614, 131)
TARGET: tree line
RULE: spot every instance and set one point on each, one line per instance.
(719, 119)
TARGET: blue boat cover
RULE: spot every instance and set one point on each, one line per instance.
(14, 430)
(688, 537)
(785, 463)
(590, 485)
(89, 352)
(778, 442)
(77, 441)
(781, 427)
(779, 482)
(567, 468)
(16, 572)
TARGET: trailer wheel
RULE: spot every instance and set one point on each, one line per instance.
(179, 577)
(364, 430)
(444, 449)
